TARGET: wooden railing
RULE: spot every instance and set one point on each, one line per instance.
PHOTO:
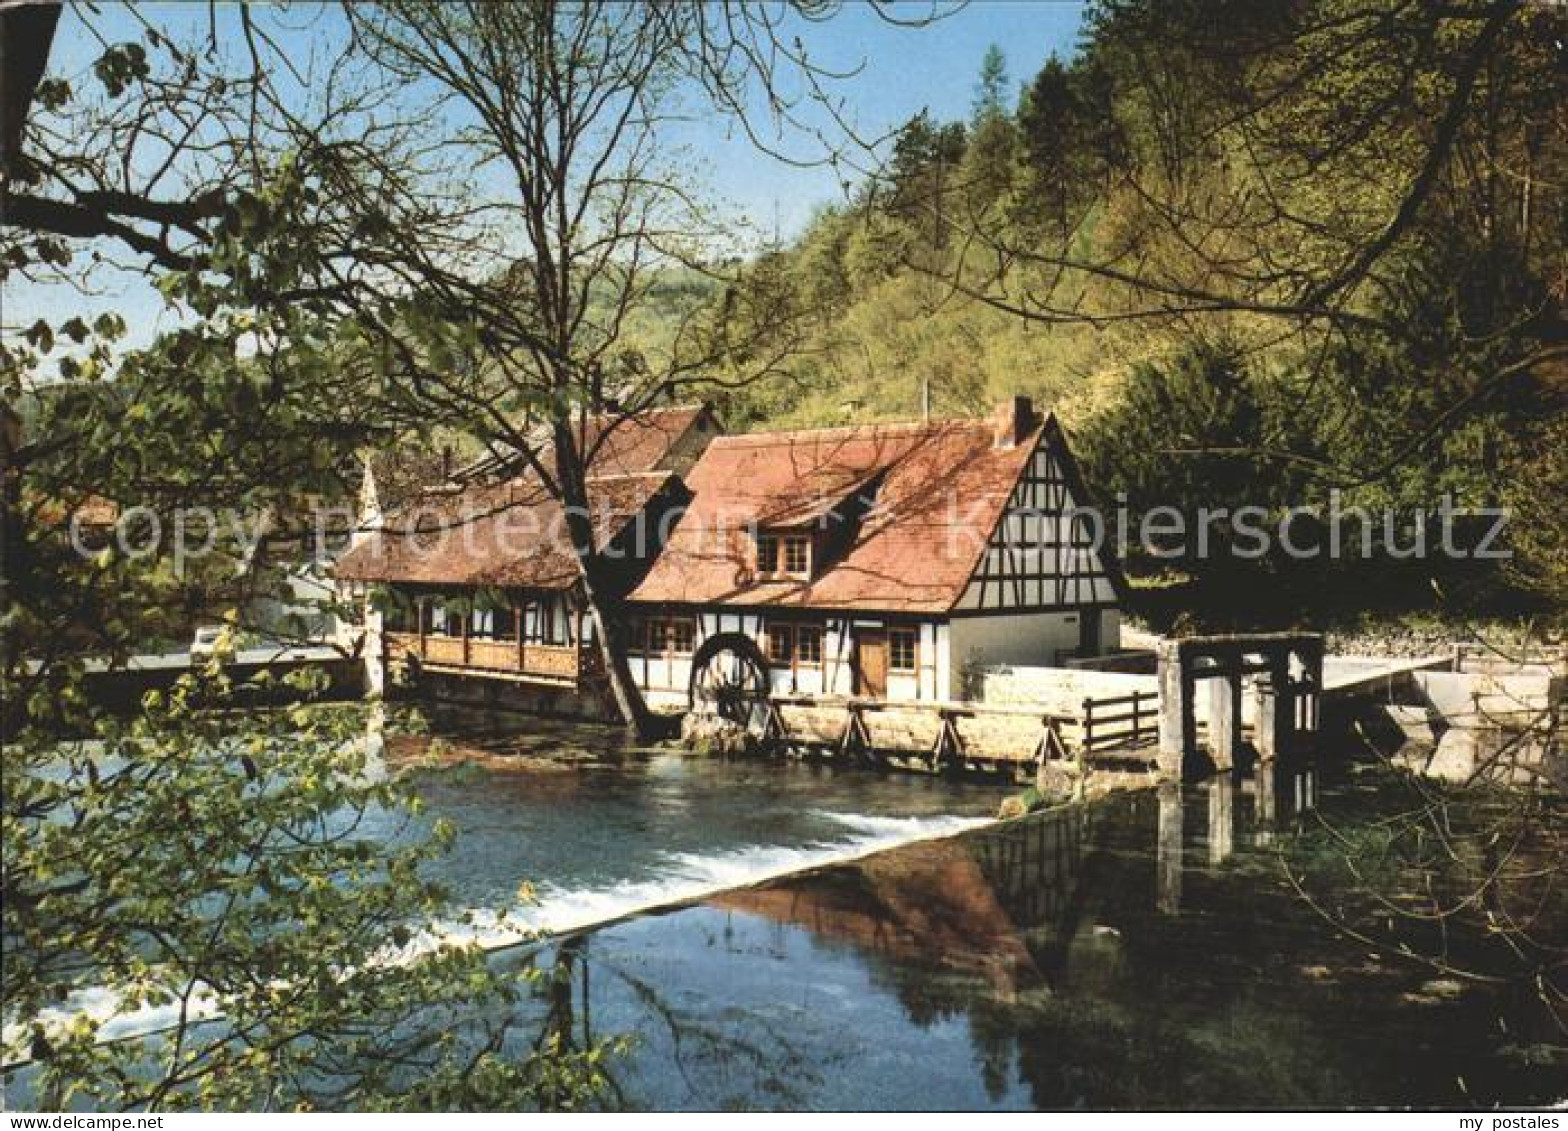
(557, 662)
(1120, 721)
(944, 732)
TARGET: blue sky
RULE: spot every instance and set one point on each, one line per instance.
(903, 70)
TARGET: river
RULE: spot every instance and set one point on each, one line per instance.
(1150, 950)
(781, 935)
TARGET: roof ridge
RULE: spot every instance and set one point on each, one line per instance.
(601, 477)
(732, 439)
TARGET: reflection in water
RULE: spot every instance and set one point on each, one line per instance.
(1265, 785)
(1110, 955)
(1168, 848)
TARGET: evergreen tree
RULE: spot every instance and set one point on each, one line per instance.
(991, 89)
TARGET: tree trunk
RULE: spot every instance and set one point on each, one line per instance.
(602, 605)
(26, 34)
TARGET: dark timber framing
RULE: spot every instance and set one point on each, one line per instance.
(1028, 566)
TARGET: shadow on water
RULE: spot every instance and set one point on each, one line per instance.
(1152, 950)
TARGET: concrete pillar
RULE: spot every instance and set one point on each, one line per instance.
(1273, 724)
(1306, 791)
(1310, 654)
(1224, 715)
(1167, 855)
(1264, 804)
(1176, 727)
(1221, 789)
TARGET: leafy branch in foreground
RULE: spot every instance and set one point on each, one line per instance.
(207, 903)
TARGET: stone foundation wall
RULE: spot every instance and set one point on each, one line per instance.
(590, 704)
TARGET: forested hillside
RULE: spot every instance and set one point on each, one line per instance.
(1250, 253)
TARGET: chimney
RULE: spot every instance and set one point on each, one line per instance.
(1013, 420)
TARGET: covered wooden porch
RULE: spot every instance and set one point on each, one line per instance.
(565, 664)
(535, 637)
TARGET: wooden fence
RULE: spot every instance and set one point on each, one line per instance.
(1120, 722)
(941, 734)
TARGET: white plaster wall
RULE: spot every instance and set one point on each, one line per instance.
(838, 658)
(1058, 689)
(1024, 529)
(1110, 629)
(1027, 639)
(664, 679)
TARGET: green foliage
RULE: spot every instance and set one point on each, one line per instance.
(1250, 175)
(1405, 423)
(252, 874)
(1187, 432)
(991, 88)
(254, 879)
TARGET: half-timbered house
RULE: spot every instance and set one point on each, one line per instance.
(480, 583)
(887, 561)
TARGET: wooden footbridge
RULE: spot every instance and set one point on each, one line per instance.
(1128, 738)
(1118, 733)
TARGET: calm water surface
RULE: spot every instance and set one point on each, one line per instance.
(782, 936)
(1146, 951)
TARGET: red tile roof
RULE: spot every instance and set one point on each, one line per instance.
(512, 532)
(939, 490)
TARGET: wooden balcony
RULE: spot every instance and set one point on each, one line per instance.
(547, 663)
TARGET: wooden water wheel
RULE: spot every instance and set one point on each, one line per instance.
(729, 679)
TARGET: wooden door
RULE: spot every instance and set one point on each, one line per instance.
(871, 663)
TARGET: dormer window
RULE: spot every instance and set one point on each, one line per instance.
(767, 554)
(784, 555)
(797, 556)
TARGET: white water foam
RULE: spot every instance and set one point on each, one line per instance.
(685, 876)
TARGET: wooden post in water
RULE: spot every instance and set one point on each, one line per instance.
(1224, 694)
(1176, 723)
(1167, 855)
(1221, 818)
